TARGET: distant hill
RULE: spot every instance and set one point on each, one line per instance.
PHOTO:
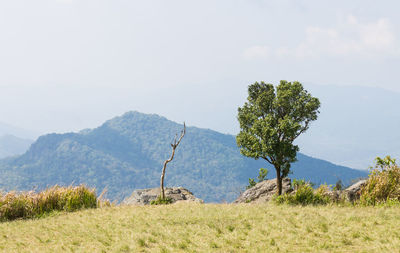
(11, 145)
(127, 152)
(7, 129)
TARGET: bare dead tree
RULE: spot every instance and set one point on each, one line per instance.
(174, 145)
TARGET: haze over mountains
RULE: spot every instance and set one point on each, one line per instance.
(14, 140)
(127, 152)
(356, 124)
(67, 66)
(7, 129)
(11, 145)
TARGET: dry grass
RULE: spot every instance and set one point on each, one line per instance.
(17, 205)
(383, 183)
(208, 228)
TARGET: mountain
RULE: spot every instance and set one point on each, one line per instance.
(11, 145)
(14, 140)
(127, 152)
(356, 124)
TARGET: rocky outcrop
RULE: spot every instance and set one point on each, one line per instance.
(264, 191)
(145, 196)
(335, 196)
(353, 192)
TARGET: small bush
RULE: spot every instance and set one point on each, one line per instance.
(298, 182)
(262, 175)
(305, 195)
(383, 183)
(161, 201)
(252, 183)
(338, 186)
(15, 205)
(323, 190)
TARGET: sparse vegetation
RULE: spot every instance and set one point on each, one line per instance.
(338, 186)
(305, 195)
(296, 183)
(22, 205)
(383, 183)
(382, 188)
(161, 201)
(262, 175)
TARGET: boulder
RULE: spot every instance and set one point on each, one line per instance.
(335, 196)
(264, 191)
(145, 196)
(353, 192)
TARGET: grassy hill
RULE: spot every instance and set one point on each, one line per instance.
(208, 228)
(127, 152)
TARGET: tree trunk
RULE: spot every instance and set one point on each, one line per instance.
(163, 173)
(162, 181)
(174, 145)
(278, 181)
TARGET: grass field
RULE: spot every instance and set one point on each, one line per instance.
(208, 228)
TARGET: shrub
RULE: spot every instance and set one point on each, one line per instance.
(383, 183)
(15, 205)
(298, 182)
(252, 183)
(305, 195)
(262, 175)
(161, 201)
(338, 186)
(323, 190)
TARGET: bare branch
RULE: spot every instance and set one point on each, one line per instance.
(182, 134)
(174, 145)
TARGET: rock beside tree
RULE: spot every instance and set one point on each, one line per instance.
(264, 191)
(145, 196)
(353, 192)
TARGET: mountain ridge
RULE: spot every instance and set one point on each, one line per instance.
(127, 152)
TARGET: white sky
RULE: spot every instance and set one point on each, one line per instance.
(66, 65)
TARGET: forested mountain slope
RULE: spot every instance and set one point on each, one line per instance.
(127, 152)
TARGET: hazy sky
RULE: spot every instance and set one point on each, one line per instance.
(71, 64)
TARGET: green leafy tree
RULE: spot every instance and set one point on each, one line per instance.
(271, 120)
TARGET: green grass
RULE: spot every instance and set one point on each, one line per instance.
(208, 228)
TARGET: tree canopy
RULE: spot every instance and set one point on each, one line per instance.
(272, 119)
